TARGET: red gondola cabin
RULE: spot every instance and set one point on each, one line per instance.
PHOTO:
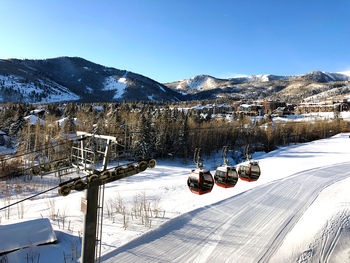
(226, 176)
(249, 171)
(200, 181)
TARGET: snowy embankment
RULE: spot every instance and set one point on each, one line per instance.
(165, 191)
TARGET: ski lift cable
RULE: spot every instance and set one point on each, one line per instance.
(45, 191)
(191, 129)
(46, 147)
(30, 197)
(53, 188)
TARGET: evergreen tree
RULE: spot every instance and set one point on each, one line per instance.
(161, 136)
(144, 143)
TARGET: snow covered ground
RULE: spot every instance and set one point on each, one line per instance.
(165, 192)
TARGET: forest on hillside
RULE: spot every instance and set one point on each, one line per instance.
(157, 130)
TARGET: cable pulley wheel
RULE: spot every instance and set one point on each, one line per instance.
(64, 190)
(152, 163)
(130, 166)
(142, 166)
(93, 178)
(119, 170)
(106, 174)
(80, 185)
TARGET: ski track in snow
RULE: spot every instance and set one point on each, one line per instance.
(248, 227)
(332, 243)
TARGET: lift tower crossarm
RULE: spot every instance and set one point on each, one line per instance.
(105, 137)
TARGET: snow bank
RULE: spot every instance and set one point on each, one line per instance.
(26, 234)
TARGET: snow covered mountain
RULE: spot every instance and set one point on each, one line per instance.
(288, 88)
(75, 79)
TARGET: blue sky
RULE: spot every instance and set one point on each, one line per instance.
(170, 40)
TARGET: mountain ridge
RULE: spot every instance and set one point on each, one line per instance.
(293, 88)
(77, 79)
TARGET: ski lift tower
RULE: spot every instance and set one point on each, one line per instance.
(94, 196)
(90, 149)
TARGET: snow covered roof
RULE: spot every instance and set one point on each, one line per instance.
(33, 119)
(99, 108)
(245, 105)
(36, 111)
(63, 120)
(26, 234)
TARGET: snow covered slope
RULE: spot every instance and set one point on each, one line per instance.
(292, 180)
(117, 85)
(248, 227)
(40, 90)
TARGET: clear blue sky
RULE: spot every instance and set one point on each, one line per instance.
(170, 40)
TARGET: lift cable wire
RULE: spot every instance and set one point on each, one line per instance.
(46, 147)
(55, 187)
(45, 191)
(190, 130)
(29, 197)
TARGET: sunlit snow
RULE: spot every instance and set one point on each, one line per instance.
(167, 184)
(51, 91)
(119, 86)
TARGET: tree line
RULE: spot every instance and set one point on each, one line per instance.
(158, 130)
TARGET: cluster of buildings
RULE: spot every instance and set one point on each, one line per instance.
(260, 108)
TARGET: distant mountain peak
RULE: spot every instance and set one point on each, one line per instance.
(263, 86)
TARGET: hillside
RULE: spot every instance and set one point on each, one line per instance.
(75, 79)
